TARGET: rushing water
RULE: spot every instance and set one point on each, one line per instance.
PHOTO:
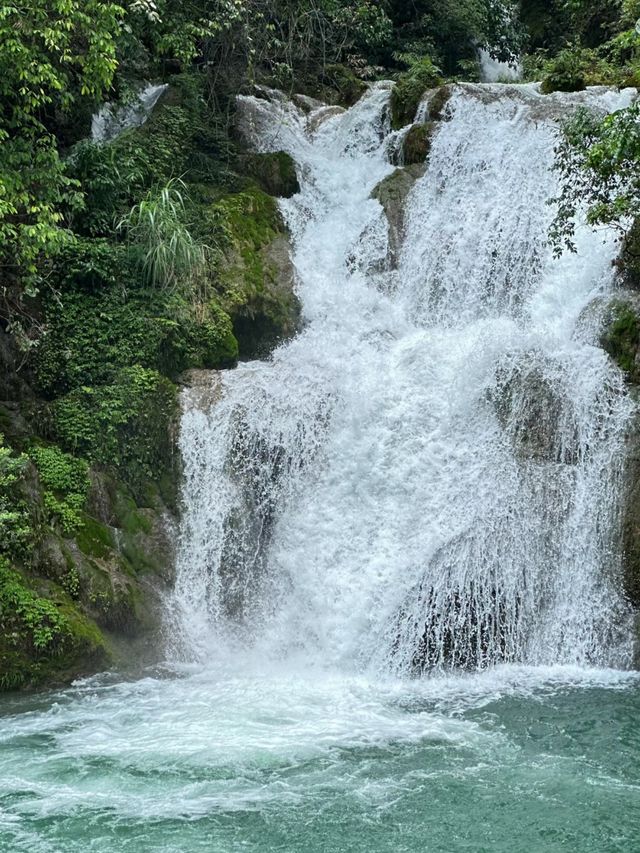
(397, 622)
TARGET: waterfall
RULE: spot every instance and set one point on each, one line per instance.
(113, 119)
(428, 476)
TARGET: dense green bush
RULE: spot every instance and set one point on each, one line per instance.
(103, 319)
(410, 88)
(15, 527)
(123, 425)
(22, 609)
(65, 482)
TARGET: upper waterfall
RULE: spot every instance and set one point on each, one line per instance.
(428, 474)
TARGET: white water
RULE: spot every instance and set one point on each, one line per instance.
(494, 71)
(427, 475)
(436, 455)
(114, 119)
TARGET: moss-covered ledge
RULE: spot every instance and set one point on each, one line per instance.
(255, 271)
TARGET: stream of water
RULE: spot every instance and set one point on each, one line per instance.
(397, 623)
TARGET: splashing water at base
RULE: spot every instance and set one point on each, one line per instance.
(235, 758)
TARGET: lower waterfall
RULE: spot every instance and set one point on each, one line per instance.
(427, 476)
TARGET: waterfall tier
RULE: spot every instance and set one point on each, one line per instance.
(428, 475)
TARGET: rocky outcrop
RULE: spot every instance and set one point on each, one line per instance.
(531, 411)
(392, 194)
(275, 172)
(256, 272)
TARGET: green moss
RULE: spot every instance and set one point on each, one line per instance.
(621, 339)
(103, 320)
(43, 636)
(255, 271)
(417, 144)
(124, 425)
(409, 90)
(94, 539)
(274, 172)
(630, 260)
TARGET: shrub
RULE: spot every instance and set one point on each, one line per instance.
(65, 482)
(410, 88)
(156, 226)
(14, 518)
(26, 615)
(124, 425)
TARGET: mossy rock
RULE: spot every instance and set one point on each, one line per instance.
(44, 637)
(256, 273)
(437, 102)
(274, 172)
(392, 194)
(629, 263)
(417, 144)
(621, 338)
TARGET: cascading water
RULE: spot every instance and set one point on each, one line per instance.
(427, 475)
(424, 479)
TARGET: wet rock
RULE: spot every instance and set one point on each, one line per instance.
(417, 144)
(530, 409)
(202, 389)
(435, 102)
(256, 273)
(306, 103)
(631, 516)
(620, 336)
(318, 118)
(629, 261)
(392, 194)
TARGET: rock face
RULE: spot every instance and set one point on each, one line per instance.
(274, 172)
(621, 334)
(530, 409)
(392, 194)
(417, 144)
(256, 272)
(621, 339)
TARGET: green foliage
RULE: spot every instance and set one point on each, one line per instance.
(122, 425)
(573, 69)
(156, 228)
(450, 31)
(598, 163)
(104, 321)
(410, 88)
(621, 339)
(14, 518)
(52, 52)
(26, 615)
(65, 484)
